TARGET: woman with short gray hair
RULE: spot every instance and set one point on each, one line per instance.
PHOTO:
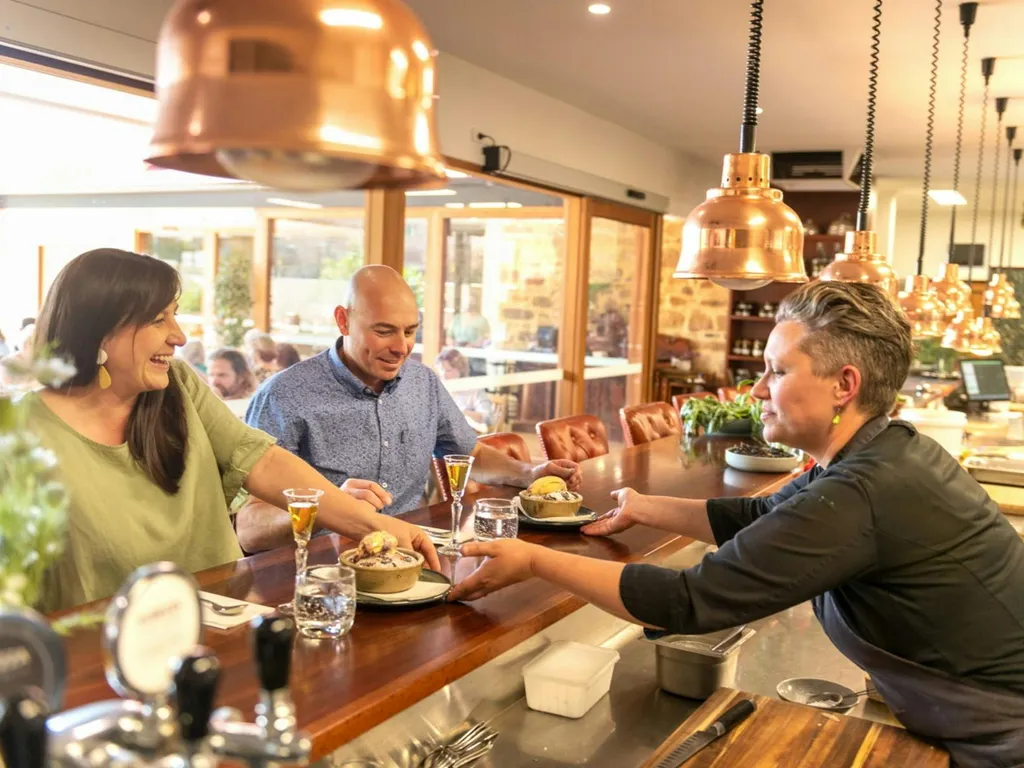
(912, 570)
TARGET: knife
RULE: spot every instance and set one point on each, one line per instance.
(695, 743)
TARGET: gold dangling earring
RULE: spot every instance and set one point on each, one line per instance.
(835, 419)
(102, 375)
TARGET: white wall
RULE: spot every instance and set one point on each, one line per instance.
(551, 141)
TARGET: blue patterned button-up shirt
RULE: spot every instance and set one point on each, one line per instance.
(321, 412)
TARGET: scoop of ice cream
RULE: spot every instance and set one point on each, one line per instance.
(391, 559)
(376, 543)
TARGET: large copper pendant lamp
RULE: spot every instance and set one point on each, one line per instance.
(860, 261)
(743, 236)
(1000, 297)
(919, 301)
(953, 294)
(964, 334)
(299, 95)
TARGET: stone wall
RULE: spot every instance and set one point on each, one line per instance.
(696, 310)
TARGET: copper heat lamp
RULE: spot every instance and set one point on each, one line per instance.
(919, 301)
(743, 236)
(860, 261)
(300, 95)
(1000, 295)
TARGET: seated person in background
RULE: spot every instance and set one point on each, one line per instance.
(194, 353)
(263, 357)
(475, 404)
(149, 456)
(469, 327)
(230, 376)
(363, 409)
(286, 356)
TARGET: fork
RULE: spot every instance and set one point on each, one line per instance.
(223, 610)
(450, 755)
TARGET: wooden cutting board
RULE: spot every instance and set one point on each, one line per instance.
(794, 736)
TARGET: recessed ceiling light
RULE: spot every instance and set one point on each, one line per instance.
(454, 205)
(947, 197)
(599, 9)
(430, 193)
(284, 201)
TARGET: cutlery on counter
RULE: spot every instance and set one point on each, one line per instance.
(224, 610)
(833, 699)
(733, 716)
(724, 645)
(467, 748)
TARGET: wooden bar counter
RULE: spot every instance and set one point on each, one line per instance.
(392, 659)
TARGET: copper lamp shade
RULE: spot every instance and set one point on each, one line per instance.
(958, 334)
(991, 344)
(1000, 299)
(743, 236)
(921, 308)
(952, 293)
(300, 95)
(861, 263)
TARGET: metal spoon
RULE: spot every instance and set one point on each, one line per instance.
(730, 640)
(833, 699)
(223, 610)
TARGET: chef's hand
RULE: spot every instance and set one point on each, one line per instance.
(567, 470)
(509, 561)
(411, 537)
(368, 491)
(619, 519)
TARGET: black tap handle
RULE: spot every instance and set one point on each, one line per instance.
(195, 685)
(23, 731)
(272, 637)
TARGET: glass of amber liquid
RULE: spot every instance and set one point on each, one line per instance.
(458, 468)
(303, 505)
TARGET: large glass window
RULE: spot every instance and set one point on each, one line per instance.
(312, 261)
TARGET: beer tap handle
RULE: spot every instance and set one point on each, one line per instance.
(23, 731)
(272, 636)
(195, 685)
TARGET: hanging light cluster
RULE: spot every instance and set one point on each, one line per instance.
(967, 334)
(919, 301)
(999, 297)
(743, 236)
(860, 261)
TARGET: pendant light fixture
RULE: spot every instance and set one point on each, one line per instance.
(964, 335)
(919, 301)
(954, 294)
(993, 294)
(1002, 302)
(743, 236)
(860, 261)
(299, 95)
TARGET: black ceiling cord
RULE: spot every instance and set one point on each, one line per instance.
(1013, 202)
(1001, 103)
(1011, 134)
(988, 66)
(748, 140)
(867, 161)
(929, 135)
(492, 155)
(968, 12)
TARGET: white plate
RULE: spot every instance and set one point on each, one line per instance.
(746, 463)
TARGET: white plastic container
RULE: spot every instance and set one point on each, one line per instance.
(944, 427)
(569, 678)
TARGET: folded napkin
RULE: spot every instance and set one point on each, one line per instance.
(422, 590)
(220, 621)
(436, 535)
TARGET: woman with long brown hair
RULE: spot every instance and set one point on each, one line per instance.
(150, 456)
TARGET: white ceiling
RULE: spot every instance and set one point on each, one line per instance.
(673, 69)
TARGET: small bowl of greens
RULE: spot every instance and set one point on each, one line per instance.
(740, 417)
(761, 457)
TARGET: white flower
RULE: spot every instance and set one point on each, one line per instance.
(46, 458)
(53, 371)
(30, 559)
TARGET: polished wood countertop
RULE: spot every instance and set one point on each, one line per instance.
(392, 659)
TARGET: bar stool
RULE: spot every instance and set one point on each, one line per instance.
(576, 438)
(650, 421)
(508, 443)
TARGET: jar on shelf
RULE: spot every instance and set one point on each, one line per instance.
(757, 348)
(768, 309)
(842, 225)
(810, 228)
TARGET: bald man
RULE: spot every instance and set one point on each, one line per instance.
(369, 418)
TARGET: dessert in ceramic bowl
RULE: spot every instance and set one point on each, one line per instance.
(549, 497)
(381, 566)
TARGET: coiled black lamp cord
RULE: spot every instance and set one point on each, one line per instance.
(929, 135)
(748, 141)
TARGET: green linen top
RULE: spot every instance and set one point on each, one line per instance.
(119, 519)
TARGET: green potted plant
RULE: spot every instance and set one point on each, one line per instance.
(740, 417)
(232, 298)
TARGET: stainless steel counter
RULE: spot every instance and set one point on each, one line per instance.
(623, 728)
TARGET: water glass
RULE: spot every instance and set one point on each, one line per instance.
(325, 600)
(495, 519)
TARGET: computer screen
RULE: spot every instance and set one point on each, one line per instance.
(984, 380)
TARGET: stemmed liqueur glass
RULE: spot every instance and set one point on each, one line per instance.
(458, 468)
(303, 505)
